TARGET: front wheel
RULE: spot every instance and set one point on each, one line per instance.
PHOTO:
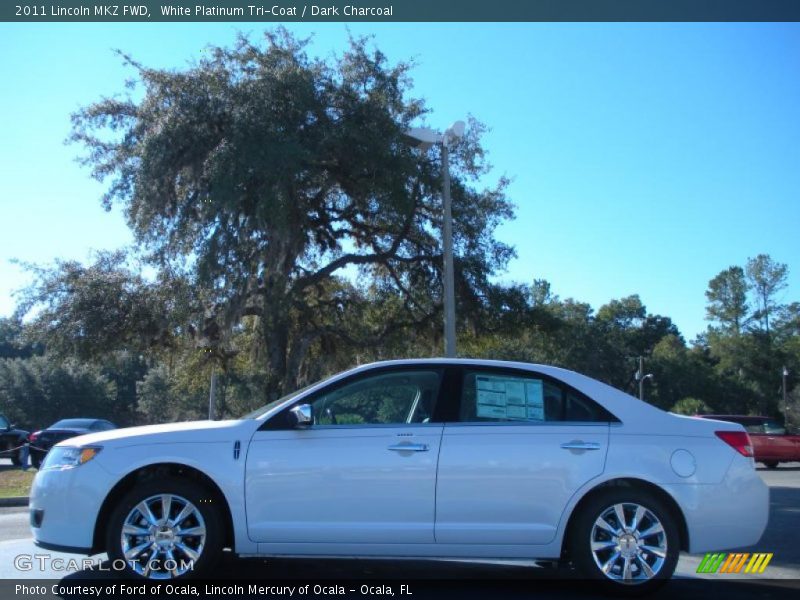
(165, 530)
(627, 539)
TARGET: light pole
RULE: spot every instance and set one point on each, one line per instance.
(212, 396)
(425, 138)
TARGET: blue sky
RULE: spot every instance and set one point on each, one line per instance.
(645, 158)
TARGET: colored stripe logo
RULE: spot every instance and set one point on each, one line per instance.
(737, 562)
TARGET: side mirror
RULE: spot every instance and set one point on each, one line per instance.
(302, 416)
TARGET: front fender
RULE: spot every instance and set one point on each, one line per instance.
(215, 460)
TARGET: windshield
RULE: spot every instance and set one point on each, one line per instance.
(267, 407)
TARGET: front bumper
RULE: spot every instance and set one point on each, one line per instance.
(66, 549)
(65, 504)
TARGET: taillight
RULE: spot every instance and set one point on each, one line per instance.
(738, 440)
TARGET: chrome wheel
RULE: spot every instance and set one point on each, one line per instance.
(628, 543)
(163, 536)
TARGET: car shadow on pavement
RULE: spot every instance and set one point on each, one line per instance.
(783, 518)
(459, 579)
(450, 579)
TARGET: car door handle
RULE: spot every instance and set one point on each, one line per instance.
(579, 445)
(409, 447)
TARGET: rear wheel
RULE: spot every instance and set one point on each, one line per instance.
(165, 530)
(771, 464)
(626, 539)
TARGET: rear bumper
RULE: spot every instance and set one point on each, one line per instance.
(730, 514)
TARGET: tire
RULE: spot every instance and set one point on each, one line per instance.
(771, 464)
(192, 536)
(599, 552)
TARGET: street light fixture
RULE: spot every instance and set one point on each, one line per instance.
(426, 138)
(641, 384)
(640, 377)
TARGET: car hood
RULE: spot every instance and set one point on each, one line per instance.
(186, 432)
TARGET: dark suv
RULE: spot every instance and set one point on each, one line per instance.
(11, 440)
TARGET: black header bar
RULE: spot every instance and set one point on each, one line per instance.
(287, 11)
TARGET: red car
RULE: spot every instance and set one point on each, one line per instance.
(771, 443)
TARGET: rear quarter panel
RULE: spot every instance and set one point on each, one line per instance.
(723, 500)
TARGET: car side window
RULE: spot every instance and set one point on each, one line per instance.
(773, 428)
(488, 397)
(388, 398)
(4, 423)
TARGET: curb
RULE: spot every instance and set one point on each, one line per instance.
(14, 501)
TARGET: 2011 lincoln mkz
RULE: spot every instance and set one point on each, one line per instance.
(468, 459)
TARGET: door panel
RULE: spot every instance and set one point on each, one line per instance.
(360, 484)
(524, 443)
(503, 483)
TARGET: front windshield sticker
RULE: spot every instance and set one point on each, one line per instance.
(509, 398)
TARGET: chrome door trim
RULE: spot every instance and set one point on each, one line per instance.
(579, 445)
(409, 447)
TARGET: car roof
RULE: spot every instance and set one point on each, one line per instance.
(462, 361)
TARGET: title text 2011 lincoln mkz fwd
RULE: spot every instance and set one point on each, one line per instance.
(417, 458)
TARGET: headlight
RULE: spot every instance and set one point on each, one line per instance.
(66, 457)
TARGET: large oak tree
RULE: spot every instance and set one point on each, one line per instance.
(262, 175)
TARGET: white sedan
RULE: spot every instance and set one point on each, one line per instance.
(415, 458)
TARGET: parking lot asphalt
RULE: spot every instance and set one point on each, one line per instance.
(465, 579)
